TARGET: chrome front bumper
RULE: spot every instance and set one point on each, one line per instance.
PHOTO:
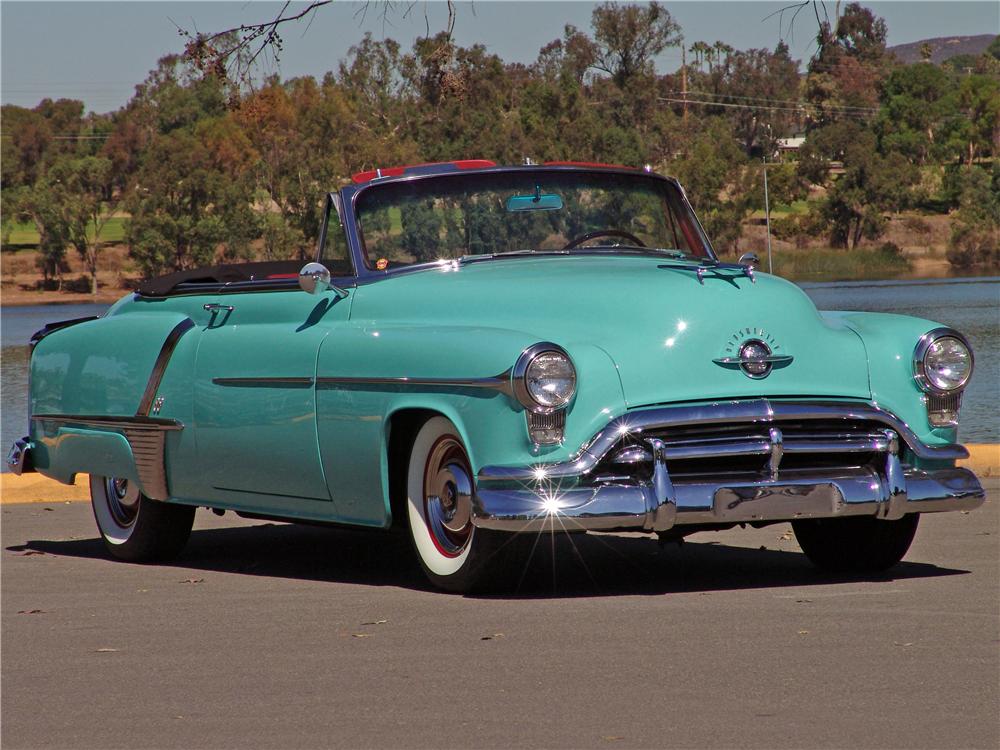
(610, 507)
(567, 496)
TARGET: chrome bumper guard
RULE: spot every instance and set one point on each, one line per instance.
(19, 457)
(536, 501)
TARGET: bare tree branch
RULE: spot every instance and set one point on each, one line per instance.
(231, 53)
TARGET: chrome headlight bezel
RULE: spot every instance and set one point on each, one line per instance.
(920, 355)
(519, 377)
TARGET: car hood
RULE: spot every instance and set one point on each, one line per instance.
(661, 326)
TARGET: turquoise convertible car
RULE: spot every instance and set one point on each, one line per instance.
(482, 354)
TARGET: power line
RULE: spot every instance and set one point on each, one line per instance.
(805, 109)
(95, 137)
(793, 102)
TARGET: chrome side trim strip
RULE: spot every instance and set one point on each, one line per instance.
(160, 366)
(146, 437)
(500, 383)
(276, 382)
(760, 411)
(118, 423)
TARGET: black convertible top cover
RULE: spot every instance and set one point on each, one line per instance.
(233, 273)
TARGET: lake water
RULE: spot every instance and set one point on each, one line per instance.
(970, 305)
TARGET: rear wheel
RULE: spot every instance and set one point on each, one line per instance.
(135, 528)
(454, 554)
(855, 544)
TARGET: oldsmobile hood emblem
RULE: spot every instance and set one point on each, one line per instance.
(754, 351)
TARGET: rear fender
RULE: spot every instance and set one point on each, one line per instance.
(100, 367)
(92, 387)
(63, 452)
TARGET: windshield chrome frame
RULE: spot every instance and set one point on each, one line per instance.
(352, 227)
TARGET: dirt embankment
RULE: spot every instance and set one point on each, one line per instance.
(20, 279)
(923, 240)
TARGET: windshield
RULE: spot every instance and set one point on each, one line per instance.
(524, 211)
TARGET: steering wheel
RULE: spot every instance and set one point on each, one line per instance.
(577, 241)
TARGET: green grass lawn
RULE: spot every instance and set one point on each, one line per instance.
(25, 236)
(781, 210)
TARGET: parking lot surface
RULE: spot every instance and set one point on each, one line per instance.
(270, 635)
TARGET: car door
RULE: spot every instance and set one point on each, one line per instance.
(255, 400)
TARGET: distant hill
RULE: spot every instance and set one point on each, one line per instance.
(943, 47)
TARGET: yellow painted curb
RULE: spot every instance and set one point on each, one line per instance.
(34, 488)
(984, 459)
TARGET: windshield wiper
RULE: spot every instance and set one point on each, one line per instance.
(508, 254)
(659, 251)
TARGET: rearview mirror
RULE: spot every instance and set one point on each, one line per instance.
(537, 202)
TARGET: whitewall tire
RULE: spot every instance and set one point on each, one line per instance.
(439, 487)
(135, 528)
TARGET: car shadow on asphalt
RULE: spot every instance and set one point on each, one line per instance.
(558, 566)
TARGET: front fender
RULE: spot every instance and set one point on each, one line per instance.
(889, 341)
(351, 415)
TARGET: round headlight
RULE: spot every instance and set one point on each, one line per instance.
(943, 362)
(544, 378)
(551, 379)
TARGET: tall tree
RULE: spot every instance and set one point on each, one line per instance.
(851, 60)
(762, 85)
(914, 102)
(629, 37)
(84, 184)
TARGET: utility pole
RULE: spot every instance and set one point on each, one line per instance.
(767, 218)
(684, 82)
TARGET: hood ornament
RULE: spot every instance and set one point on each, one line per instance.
(754, 351)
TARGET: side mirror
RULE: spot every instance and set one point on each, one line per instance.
(750, 259)
(314, 278)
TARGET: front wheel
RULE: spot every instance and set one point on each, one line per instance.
(134, 527)
(858, 544)
(454, 554)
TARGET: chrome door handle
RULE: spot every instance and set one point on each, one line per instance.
(215, 307)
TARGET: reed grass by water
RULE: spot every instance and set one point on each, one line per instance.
(830, 264)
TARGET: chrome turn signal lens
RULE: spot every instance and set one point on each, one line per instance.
(942, 411)
(547, 429)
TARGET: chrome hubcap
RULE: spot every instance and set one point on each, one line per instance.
(123, 500)
(448, 496)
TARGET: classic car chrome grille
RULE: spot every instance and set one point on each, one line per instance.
(767, 448)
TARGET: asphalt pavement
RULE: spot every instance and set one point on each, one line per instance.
(278, 636)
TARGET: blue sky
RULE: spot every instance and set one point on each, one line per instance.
(98, 51)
